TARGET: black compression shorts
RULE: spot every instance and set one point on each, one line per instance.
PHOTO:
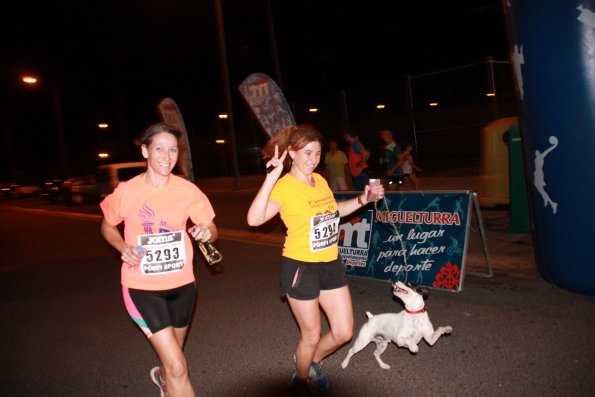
(153, 311)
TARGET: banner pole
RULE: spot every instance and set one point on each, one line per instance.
(484, 240)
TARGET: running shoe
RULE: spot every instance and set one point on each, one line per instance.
(318, 379)
(158, 380)
(299, 385)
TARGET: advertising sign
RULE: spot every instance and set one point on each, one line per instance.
(267, 102)
(552, 58)
(418, 237)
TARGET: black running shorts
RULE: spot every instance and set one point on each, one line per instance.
(153, 311)
(304, 280)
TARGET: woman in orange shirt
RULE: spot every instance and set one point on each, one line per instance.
(157, 277)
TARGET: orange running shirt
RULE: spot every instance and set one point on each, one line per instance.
(146, 210)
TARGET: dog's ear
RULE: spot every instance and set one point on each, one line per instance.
(424, 292)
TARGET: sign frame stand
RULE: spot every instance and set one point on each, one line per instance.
(484, 240)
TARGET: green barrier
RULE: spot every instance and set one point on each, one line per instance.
(519, 202)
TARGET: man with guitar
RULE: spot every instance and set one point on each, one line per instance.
(358, 161)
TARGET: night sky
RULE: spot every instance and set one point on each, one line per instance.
(114, 60)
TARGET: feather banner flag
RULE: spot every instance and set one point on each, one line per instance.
(170, 114)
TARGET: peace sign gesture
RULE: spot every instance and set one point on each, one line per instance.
(276, 162)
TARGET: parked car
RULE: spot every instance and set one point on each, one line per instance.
(8, 191)
(80, 189)
(52, 191)
(110, 175)
(91, 188)
(27, 190)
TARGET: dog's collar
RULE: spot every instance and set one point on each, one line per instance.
(423, 309)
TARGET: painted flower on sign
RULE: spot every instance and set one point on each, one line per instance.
(448, 277)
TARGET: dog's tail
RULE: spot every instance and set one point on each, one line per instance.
(369, 314)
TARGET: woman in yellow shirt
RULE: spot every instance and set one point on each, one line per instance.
(312, 276)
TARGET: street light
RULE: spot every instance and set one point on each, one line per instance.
(222, 142)
(58, 118)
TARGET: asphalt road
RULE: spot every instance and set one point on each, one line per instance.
(65, 331)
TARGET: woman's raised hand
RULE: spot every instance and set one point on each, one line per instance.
(275, 164)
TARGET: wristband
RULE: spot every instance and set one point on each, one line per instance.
(359, 200)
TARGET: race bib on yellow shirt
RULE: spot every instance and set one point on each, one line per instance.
(324, 231)
(164, 253)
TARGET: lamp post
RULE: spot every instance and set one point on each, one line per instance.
(58, 119)
(227, 90)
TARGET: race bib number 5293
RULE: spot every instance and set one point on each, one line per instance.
(164, 253)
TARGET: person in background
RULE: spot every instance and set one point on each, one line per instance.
(336, 167)
(409, 167)
(158, 284)
(312, 275)
(358, 160)
(392, 152)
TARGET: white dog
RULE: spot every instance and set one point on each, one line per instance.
(405, 329)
